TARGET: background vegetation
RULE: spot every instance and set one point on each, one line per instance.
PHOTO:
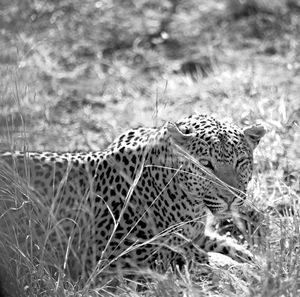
(75, 74)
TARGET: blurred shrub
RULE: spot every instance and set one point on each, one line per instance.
(240, 8)
(115, 23)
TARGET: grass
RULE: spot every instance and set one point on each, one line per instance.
(74, 76)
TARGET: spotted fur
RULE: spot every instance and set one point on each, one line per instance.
(143, 201)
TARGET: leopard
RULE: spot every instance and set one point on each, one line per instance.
(143, 201)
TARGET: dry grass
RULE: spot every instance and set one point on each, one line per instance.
(73, 81)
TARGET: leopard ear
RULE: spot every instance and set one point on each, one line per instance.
(179, 134)
(253, 134)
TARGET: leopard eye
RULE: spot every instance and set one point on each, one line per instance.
(207, 164)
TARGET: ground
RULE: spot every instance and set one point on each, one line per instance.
(75, 75)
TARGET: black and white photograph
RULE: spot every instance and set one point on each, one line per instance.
(149, 148)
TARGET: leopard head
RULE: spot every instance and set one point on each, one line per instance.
(216, 160)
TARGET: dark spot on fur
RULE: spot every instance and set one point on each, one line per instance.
(112, 192)
(105, 190)
(125, 160)
(124, 193)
